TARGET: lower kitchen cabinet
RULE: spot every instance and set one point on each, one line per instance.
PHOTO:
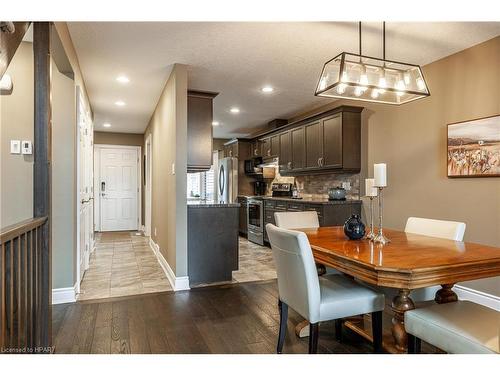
(329, 213)
(243, 215)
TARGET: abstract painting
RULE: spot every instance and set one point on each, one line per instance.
(474, 148)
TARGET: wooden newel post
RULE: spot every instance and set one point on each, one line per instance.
(42, 174)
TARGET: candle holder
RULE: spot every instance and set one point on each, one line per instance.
(380, 238)
(371, 234)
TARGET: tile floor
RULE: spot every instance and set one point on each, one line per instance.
(123, 264)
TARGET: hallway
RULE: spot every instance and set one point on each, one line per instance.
(122, 264)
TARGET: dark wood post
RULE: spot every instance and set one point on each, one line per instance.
(42, 172)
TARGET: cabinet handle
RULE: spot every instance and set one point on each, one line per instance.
(289, 165)
(268, 152)
(319, 162)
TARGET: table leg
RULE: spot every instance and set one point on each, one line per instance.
(445, 294)
(401, 303)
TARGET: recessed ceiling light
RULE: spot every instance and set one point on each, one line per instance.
(234, 110)
(106, 125)
(267, 89)
(215, 123)
(120, 103)
(123, 79)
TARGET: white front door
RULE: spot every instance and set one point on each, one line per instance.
(118, 188)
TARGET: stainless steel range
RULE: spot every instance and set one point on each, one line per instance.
(255, 215)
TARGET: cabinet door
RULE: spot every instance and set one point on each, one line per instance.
(256, 149)
(298, 148)
(275, 145)
(332, 142)
(266, 146)
(285, 154)
(313, 144)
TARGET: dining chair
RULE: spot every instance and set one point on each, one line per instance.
(460, 327)
(296, 220)
(317, 299)
(451, 230)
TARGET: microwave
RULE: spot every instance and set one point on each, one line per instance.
(250, 164)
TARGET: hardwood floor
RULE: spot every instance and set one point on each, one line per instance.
(236, 318)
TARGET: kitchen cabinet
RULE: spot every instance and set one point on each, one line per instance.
(329, 213)
(313, 140)
(199, 130)
(243, 215)
(270, 146)
(331, 142)
(285, 154)
(298, 149)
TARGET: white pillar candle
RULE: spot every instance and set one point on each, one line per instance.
(380, 174)
(370, 189)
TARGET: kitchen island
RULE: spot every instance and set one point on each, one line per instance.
(212, 241)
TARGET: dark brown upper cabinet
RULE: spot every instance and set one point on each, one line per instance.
(298, 149)
(326, 142)
(199, 130)
(285, 155)
(313, 145)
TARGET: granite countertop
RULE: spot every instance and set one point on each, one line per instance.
(210, 204)
(312, 200)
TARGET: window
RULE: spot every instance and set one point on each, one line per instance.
(202, 185)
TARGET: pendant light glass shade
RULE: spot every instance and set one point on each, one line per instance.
(359, 77)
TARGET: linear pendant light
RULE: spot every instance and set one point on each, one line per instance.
(371, 79)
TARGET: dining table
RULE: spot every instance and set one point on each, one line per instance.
(409, 261)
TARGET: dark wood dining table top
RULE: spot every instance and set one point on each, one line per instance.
(408, 261)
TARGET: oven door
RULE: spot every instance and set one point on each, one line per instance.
(255, 216)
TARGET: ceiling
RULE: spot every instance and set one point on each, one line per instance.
(237, 59)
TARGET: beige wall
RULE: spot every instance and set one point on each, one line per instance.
(63, 180)
(411, 139)
(124, 139)
(16, 123)
(168, 127)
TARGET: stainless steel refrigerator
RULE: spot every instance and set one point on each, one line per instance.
(227, 180)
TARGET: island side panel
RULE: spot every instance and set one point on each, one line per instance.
(212, 243)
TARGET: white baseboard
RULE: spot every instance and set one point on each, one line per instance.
(477, 296)
(64, 295)
(177, 283)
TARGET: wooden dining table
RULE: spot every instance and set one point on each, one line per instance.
(408, 262)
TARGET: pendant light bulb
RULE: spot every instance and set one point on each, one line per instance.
(374, 94)
(345, 77)
(363, 78)
(341, 88)
(382, 82)
(407, 78)
(400, 85)
(358, 91)
(421, 84)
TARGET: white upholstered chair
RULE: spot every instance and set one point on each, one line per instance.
(461, 327)
(451, 230)
(296, 220)
(315, 298)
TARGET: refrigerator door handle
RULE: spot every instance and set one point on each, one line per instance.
(221, 182)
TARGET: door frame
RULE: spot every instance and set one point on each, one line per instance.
(148, 191)
(97, 177)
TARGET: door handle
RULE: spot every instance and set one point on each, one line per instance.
(103, 186)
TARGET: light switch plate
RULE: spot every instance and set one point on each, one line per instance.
(15, 147)
(27, 148)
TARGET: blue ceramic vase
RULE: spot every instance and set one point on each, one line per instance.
(354, 228)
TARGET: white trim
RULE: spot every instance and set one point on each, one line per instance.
(477, 296)
(97, 177)
(148, 193)
(64, 295)
(177, 283)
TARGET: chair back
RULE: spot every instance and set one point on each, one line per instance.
(451, 230)
(295, 220)
(298, 282)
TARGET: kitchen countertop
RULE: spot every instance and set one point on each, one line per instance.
(210, 204)
(311, 200)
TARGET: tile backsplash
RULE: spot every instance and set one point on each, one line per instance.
(316, 186)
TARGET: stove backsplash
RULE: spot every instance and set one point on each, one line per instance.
(317, 185)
